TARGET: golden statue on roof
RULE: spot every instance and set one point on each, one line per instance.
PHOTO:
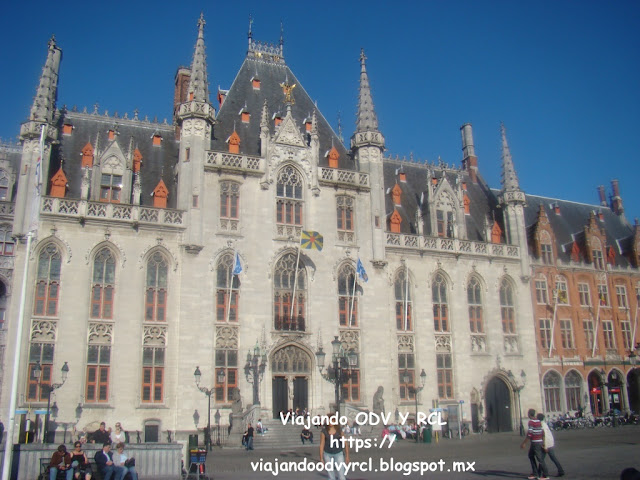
(288, 89)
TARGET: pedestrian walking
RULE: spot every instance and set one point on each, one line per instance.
(535, 435)
(249, 435)
(548, 446)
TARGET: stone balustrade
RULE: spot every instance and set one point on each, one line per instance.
(452, 245)
(351, 178)
(234, 163)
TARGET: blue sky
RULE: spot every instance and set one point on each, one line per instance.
(563, 76)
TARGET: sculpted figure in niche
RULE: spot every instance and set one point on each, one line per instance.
(236, 405)
(378, 401)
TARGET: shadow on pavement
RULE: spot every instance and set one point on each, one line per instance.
(498, 473)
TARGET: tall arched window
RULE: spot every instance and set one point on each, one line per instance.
(227, 289)
(4, 185)
(507, 307)
(156, 293)
(551, 384)
(402, 289)
(474, 298)
(6, 240)
(103, 286)
(573, 390)
(347, 300)
(289, 196)
(284, 283)
(440, 307)
(445, 215)
(48, 282)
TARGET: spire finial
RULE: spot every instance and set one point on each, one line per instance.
(250, 34)
(509, 178)
(281, 33)
(201, 24)
(198, 85)
(366, 116)
(44, 103)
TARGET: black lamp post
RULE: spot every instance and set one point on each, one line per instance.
(217, 419)
(48, 388)
(614, 383)
(208, 392)
(254, 372)
(518, 388)
(415, 390)
(340, 370)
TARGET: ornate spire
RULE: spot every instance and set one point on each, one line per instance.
(44, 104)
(509, 178)
(198, 85)
(366, 116)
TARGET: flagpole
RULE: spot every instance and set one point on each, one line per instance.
(406, 297)
(8, 446)
(230, 281)
(353, 296)
(295, 284)
(553, 322)
(635, 328)
(595, 334)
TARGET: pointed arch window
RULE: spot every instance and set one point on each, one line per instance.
(347, 299)
(507, 307)
(48, 282)
(7, 243)
(573, 390)
(227, 289)
(229, 200)
(285, 300)
(103, 285)
(551, 384)
(440, 305)
(4, 185)
(474, 298)
(289, 197)
(156, 292)
(402, 290)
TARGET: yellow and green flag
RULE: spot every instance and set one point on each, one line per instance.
(311, 240)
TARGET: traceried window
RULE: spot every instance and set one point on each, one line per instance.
(347, 299)
(583, 293)
(474, 298)
(402, 292)
(603, 296)
(566, 332)
(153, 374)
(587, 326)
(284, 299)
(345, 213)
(39, 352)
(406, 364)
(98, 366)
(609, 336)
(541, 291)
(545, 333)
(445, 216)
(440, 306)
(48, 282)
(625, 328)
(573, 390)
(507, 307)
(156, 292)
(111, 188)
(551, 384)
(103, 285)
(562, 291)
(445, 375)
(7, 243)
(4, 186)
(227, 289)
(229, 200)
(227, 362)
(289, 197)
(621, 296)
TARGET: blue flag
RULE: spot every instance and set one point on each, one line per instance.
(362, 274)
(237, 266)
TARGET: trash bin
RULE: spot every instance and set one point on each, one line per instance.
(426, 434)
(193, 442)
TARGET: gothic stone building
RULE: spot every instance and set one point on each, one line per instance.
(143, 227)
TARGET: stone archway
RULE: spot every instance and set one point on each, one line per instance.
(499, 406)
(290, 375)
(633, 389)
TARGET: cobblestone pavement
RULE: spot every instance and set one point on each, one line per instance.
(584, 454)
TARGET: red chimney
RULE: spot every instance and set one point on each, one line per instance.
(469, 159)
(616, 203)
(601, 194)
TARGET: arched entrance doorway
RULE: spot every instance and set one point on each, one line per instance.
(595, 394)
(291, 370)
(498, 402)
(614, 385)
(633, 389)
(475, 409)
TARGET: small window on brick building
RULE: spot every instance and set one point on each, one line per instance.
(245, 116)
(157, 140)
(112, 134)
(67, 129)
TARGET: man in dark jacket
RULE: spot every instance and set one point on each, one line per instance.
(102, 435)
(104, 461)
(60, 461)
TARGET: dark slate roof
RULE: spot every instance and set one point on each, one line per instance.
(415, 190)
(241, 93)
(157, 161)
(569, 225)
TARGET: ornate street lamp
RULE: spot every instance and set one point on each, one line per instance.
(415, 390)
(208, 392)
(48, 388)
(518, 388)
(254, 372)
(341, 368)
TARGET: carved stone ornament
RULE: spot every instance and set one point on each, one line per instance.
(443, 343)
(155, 335)
(100, 332)
(406, 343)
(226, 337)
(350, 340)
(108, 243)
(59, 242)
(43, 331)
(287, 133)
(162, 247)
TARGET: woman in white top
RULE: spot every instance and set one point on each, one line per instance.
(120, 459)
(119, 435)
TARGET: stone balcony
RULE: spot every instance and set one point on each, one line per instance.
(133, 215)
(232, 162)
(346, 178)
(453, 246)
